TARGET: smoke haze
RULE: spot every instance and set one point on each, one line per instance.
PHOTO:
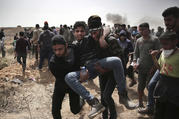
(116, 18)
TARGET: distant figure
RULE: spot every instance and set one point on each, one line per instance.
(34, 41)
(21, 50)
(15, 39)
(160, 31)
(2, 38)
(66, 34)
(44, 43)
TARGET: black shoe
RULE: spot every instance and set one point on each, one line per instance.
(147, 110)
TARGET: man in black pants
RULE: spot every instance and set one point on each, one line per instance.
(107, 86)
(62, 62)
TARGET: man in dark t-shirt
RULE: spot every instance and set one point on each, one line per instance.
(21, 50)
(62, 62)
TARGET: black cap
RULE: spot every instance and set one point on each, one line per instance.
(58, 39)
(94, 21)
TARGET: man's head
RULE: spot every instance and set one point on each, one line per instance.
(37, 26)
(171, 17)
(21, 34)
(59, 46)
(168, 40)
(122, 35)
(95, 26)
(144, 29)
(79, 30)
(46, 27)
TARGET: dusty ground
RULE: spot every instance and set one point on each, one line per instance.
(31, 99)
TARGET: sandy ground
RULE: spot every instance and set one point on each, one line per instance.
(31, 99)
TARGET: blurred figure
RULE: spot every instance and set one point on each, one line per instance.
(2, 38)
(21, 50)
(34, 41)
(44, 44)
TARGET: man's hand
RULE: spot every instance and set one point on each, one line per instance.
(154, 52)
(83, 77)
(100, 69)
(106, 32)
(135, 66)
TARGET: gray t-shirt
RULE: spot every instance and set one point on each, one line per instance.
(142, 51)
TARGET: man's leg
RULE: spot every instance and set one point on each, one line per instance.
(3, 52)
(115, 64)
(76, 103)
(36, 52)
(102, 82)
(141, 86)
(24, 57)
(19, 59)
(57, 100)
(150, 106)
(109, 86)
(72, 79)
(42, 57)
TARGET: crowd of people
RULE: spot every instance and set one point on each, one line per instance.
(87, 50)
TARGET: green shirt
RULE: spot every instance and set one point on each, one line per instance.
(170, 65)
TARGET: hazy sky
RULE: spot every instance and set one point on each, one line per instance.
(56, 12)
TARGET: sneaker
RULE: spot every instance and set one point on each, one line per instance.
(96, 108)
(124, 99)
(147, 110)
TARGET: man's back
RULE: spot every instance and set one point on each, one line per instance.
(21, 46)
(36, 34)
(45, 39)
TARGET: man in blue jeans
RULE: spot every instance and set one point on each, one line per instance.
(91, 55)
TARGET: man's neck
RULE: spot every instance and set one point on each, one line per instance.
(146, 37)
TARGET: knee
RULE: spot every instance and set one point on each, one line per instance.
(69, 78)
(75, 111)
(117, 61)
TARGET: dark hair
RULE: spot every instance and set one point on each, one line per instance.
(37, 26)
(171, 11)
(58, 39)
(168, 35)
(79, 24)
(21, 33)
(123, 25)
(146, 25)
(94, 21)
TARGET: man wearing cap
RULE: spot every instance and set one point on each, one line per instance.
(62, 62)
(44, 44)
(95, 53)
